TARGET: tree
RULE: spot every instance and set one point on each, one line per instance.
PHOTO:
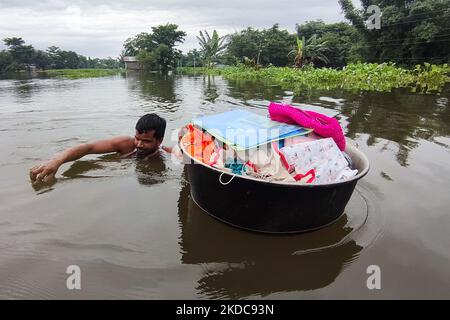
(167, 34)
(164, 57)
(316, 50)
(310, 51)
(141, 41)
(110, 63)
(192, 59)
(5, 61)
(146, 59)
(14, 42)
(298, 52)
(269, 46)
(41, 59)
(411, 32)
(276, 46)
(61, 59)
(166, 38)
(21, 54)
(211, 47)
(246, 43)
(340, 39)
(53, 54)
(69, 59)
(159, 44)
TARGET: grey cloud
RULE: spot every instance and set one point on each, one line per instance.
(166, 4)
(50, 21)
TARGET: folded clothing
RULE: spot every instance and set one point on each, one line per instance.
(322, 125)
(305, 159)
(198, 144)
(264, 163)
(320, 160)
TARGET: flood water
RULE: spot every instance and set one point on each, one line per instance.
(135, 233)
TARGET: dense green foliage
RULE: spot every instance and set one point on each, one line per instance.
(156, 50)
(193, 58)
(336, 39)
(19, 56)
(410, 49)
(411, 32)
(360, 76)
(263, 47)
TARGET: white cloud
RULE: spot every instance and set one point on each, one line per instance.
(98, 28)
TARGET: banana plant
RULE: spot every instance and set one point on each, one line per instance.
(309, 51)
(211, 47)
(299, 52)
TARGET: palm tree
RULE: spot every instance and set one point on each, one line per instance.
(211, 47)
(309, 51)
(14, 42)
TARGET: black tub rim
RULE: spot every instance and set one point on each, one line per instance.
(355, 154)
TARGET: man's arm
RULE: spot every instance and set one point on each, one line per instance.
(49, 168)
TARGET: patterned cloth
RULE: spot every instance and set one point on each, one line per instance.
(320, 159)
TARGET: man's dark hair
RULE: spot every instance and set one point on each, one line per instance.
(152, 121)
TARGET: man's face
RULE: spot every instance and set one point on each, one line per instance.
(146, 143)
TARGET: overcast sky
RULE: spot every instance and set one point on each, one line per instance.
(98, 28)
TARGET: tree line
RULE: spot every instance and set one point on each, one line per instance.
(410, 33)
(20, 56)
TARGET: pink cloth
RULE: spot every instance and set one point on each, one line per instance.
(322, 125)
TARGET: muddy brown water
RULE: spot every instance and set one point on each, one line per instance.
(135, 233)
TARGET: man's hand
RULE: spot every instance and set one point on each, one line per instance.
(45, 171)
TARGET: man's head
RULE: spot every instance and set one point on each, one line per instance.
(149, 135)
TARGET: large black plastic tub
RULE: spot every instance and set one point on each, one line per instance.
(271, 207)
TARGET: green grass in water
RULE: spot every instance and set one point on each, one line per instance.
(81, 73)
(425, 78)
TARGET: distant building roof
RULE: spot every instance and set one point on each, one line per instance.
(129, 59)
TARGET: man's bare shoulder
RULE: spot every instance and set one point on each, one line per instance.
(124, 144)
(123, 139)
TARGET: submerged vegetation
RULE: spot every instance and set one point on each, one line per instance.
(360, 76)
(408, 33)
(81, 73)
(410, 50)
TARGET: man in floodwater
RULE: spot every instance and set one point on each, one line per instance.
(146, 143)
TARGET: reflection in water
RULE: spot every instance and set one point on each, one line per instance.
(155, 86)
(210, 88)
(100, 167)
(42, 187)
(80, 167)
(232, 263)
(25, 86)
(24, 89)
(97, 168)
(396, 116)
(240, 264)
(151, 171)
(255, 90)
